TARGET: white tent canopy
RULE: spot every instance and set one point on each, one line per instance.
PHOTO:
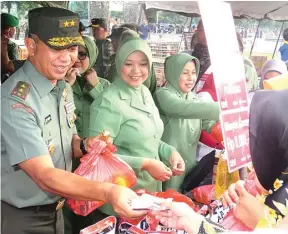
(275, 10)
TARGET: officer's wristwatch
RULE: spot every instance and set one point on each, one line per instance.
(82, 146)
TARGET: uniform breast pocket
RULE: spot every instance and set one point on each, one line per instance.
(49, 136)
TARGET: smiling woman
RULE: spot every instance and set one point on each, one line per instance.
(183, 114)
(135, 69)
(126, 109)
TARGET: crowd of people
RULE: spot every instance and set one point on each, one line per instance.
(72, 87)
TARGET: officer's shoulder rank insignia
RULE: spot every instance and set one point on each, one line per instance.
(21, 90)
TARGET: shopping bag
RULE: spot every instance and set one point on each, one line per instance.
(100, 164)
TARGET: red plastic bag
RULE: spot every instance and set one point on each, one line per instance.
(104, 226)
(204, 194)
(101, 165)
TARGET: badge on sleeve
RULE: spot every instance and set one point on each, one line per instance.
(21, 90)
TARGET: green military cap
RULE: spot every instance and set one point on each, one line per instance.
(8, 20)
(56, 27)
(98, 22)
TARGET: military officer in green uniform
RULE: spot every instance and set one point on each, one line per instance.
(9, 49)
(8, 29)
(183, 114)
(39, 137)
(100, 30)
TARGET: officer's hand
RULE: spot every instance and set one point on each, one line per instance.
(157, 169)
(91, 77)
(71, 75)
(177, 163)
(120, 198)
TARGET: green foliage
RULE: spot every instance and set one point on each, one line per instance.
(171, 18)
(80, 7)
(116, 14)
(22, 7)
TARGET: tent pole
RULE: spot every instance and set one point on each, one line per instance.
(278, 39)
(255, 37)
(191, 19)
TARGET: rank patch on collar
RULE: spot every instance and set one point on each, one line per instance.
(21, 90)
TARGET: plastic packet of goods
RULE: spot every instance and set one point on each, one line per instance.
(105, 226)
(218, 212)
(149, 202)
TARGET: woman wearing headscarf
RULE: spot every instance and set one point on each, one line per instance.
(272, 68)
(86, 86)
(269, 152)
(111, 75)
(127, 111)
(183, 114)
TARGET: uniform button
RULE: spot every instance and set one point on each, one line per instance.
(192, 129)
(189, 145)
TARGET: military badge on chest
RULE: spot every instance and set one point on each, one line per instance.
(69, 109)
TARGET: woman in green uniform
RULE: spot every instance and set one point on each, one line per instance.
(183, 114)
(150, 82)
(127, 111)
(86, 84)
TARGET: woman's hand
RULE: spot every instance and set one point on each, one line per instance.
(177, 163)
(248, 209)
(157, 169)
(91, 77)
(71, 75)
(179, 216)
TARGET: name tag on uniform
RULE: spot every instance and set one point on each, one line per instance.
(47, 119)
(69, 107)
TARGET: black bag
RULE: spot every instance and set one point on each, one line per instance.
(201, 174)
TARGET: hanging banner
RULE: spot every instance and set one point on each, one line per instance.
(229, 76)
